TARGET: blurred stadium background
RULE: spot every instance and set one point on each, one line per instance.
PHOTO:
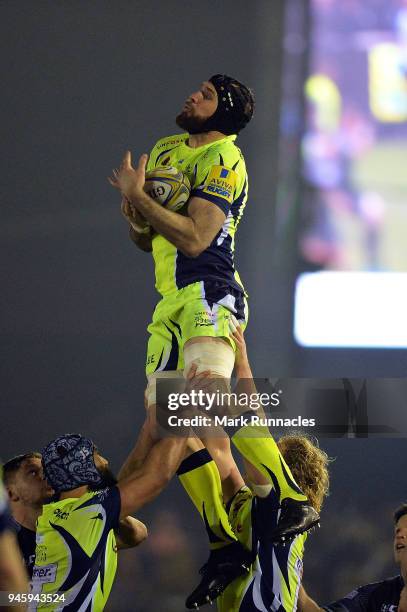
(83, 81)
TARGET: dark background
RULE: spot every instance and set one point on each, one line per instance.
(83, 81)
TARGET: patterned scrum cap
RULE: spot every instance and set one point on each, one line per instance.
(235, 105)
(68, 463)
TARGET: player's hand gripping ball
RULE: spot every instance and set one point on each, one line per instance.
(168, 186)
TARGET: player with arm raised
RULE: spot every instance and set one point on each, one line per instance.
(194, 267)
(193, 253)
(79, 534)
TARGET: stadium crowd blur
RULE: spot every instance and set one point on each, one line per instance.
(355, 140)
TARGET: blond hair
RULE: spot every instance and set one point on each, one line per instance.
(308, 465)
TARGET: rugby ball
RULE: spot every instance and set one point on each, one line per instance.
(168, 186)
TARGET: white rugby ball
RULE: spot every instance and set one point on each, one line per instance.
(168, 186)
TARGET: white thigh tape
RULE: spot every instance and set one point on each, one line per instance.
(218, 357)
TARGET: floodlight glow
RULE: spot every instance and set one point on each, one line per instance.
(351, 309)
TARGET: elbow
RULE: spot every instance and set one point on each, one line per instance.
(193, 249)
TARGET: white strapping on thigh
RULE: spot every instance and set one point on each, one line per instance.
(218, 357)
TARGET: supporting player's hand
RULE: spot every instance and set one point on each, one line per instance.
(197, 382)
(204, 381)
(130, 181)
(238, 337)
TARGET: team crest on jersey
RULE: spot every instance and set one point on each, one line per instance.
(221, 182)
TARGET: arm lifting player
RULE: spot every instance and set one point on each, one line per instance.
(275, 571)
(78, 534)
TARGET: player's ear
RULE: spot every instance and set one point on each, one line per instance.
(12, 493)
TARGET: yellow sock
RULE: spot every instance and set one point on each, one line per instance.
(258, 446)
(200, 478)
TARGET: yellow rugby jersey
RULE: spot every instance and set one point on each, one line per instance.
(275, 577)
(76, 552)
(217, 173)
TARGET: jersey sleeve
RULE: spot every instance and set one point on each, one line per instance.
(220, 178)
(110, 500)
(356, 601)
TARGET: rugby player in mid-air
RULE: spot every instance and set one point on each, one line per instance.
(27, 491)
(195, 274)
(79, 534)
(386, 596)
(278, 473)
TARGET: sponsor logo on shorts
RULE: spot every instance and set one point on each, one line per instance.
(150, 359)
(203, 319)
